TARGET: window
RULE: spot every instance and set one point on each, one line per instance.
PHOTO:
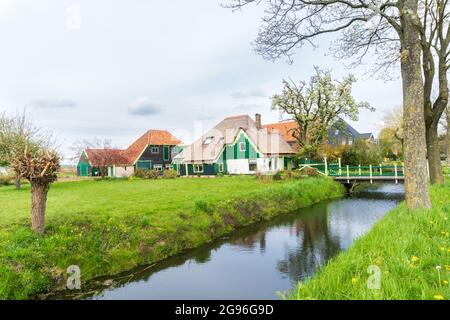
(336, 132)
(168, 166)
(198, 168)
(154, 149)
(252, 166)
(125, 168)
(220, 167)
(208, 140)
(158, 167)
(241, 146)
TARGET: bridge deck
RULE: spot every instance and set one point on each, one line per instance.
(367, 178)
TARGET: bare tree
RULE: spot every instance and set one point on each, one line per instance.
(317, 105)
(365, 25)
(17, 133)
(435, 40)
(40, 168)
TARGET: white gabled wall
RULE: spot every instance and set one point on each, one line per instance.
(123, 172)
(264, 165)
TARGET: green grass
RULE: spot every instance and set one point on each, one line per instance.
(106, 227)
(411, 249)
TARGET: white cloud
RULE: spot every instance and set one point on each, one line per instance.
(54, 103)
(143, 106)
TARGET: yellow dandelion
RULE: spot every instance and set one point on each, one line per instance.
(354, 280)
(414, 259)
(445, 282)
(438, 297)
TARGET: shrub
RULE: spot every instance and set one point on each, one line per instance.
(6, 180)
(310, 172)
(140, 173)
(170, 174)
(277, 175)
(146, 174)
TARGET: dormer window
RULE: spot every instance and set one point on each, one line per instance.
(242, 146)
(207, 140)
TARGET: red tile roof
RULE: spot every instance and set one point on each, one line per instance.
(151, 137)
(97, 157)
(106, 157)
(285, 129)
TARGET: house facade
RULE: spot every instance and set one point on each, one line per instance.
(341, 133)
(153, 150)
(236, 145)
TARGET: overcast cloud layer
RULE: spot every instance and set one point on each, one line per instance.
(114, 69)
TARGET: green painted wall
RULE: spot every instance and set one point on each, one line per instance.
(234, 151)
(144, 164)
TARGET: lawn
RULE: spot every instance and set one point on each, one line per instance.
(409, 250)
(123, 197)
(106, 227)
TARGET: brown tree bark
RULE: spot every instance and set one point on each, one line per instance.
(434, 154)
(448, 134)
(416, 173)
(17, 182)
(38, 204)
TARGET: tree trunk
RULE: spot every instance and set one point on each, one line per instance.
(448, 134)
(17, 182)
(416, 175)
(434, 154)
(38, 204)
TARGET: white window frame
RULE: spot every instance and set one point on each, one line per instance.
(158, 167)
(240, 146)
(168, 166)
(152, 150)
(220, 167)
(196, 168)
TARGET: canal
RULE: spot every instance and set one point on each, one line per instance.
(257, 261)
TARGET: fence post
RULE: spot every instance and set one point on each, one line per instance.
(370, 169)
(340, 164)
(326, 166)
(348, 175)
(396, 174)
(381, 170)
(359, 169)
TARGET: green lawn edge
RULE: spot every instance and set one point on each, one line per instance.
(408, 249)
(31, 265)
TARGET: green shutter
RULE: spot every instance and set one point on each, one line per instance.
(166, 153)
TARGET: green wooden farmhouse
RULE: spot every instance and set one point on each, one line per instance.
(236, 145)
(153, 150)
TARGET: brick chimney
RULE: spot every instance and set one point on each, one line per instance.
(258, 121)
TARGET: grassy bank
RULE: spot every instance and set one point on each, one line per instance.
(411, 250)
(110, 226)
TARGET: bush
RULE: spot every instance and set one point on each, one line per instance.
(146, 174)
(277, 175)
(310, 172)
(170, 174)
(6, 180)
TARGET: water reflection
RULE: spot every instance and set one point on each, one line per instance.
(259, 260)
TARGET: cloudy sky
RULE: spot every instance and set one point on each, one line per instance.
(113, 69)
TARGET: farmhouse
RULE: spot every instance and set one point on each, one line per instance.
(340, 133)
(236, 145)
(153, 150)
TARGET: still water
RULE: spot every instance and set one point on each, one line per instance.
(257, 261)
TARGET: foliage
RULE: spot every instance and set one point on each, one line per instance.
(310, 172)
(315, 106)
(6, 180)
(170, 174)
(109, 227)
(410, 248)
(146, 174)
(362, 152)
